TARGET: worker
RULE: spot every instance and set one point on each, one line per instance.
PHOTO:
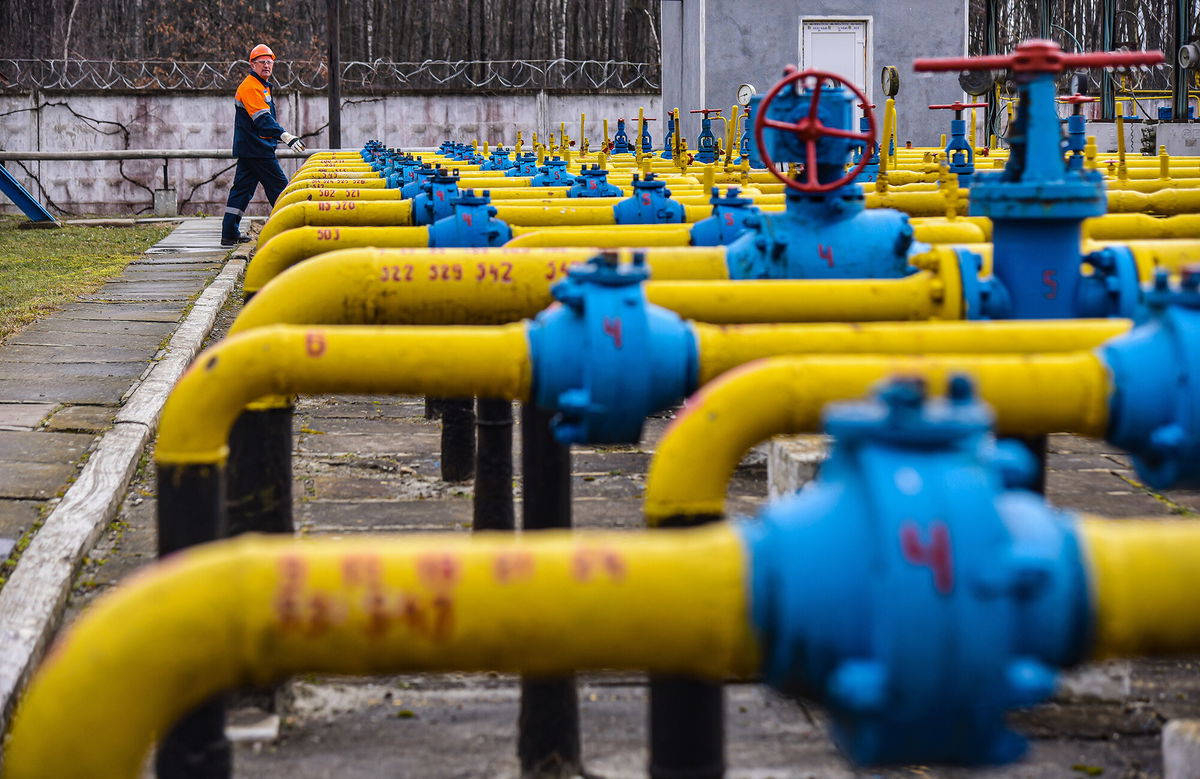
(256, 132)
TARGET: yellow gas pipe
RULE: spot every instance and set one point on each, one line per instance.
(258, 610)
(1032, 394)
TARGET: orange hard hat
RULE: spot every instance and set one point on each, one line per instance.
(261, 50)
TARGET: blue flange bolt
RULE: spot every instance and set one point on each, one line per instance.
(1037, 206)
(958, 596)
(826, 230)
(960, 153)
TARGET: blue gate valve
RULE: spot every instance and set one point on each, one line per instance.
(525, 166)
(553, 174)
(436, 198)
(669, 137)
(498, 160)
(706, 143)
(472, 224)
(957, 596)
(728, 219)
(592, 181)
(1156, 385)
(870, 171)
(650, 203)
(826, 230)
(605, 359)
(620, 141)
(960, 154)
(647, 141)
(1075, 144)
(1037, 206)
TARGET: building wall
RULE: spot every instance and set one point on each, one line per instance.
(38, 122)
(752, 40)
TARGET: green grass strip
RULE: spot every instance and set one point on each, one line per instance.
(41, 270)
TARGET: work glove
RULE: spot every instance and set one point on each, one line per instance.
(293, 142)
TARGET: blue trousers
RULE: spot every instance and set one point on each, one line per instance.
(251, 171)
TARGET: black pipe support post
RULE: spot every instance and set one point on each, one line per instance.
(687, 714)
(548, 726)
(1036, 444)
(333, 29)
(1179, 74)
(258, 475)
(493, 505)
(196, 747)
(191, 512)
(458, 439)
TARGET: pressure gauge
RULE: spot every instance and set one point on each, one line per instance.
(889, 79)
(1189, 55)
(744, 93)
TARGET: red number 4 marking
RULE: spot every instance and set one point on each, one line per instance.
(934, 555)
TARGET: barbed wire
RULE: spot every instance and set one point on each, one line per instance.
(431, 75)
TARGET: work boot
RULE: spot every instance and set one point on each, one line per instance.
(227, 242)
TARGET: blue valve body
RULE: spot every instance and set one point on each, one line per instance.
(1076, 142)
(621, 140)
(605, 359)
(728, 220)
(647, 141)
(825, 236)
(436, 198)
(553, 174)
(870, 171)
(820, 235)
(472, 224)
(669, 138)
(1037, 205)
(593, 182)
(960, 155)
(911, 591)
(525, 165)
(650, 203)
(498, 160)
(1156, 388)
(706, 143)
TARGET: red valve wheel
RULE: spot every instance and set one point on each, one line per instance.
(1076, 99)
(1041, 56)
(810, 130)
(958, 105)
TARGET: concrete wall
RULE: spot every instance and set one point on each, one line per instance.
(195, 121)
(752, 40)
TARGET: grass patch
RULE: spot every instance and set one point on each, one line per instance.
(41, 270)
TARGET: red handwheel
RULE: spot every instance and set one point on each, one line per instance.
(810, 129)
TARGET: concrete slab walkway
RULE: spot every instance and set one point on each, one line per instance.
(80, 394)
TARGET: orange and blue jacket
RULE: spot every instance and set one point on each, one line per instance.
(256, 131)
